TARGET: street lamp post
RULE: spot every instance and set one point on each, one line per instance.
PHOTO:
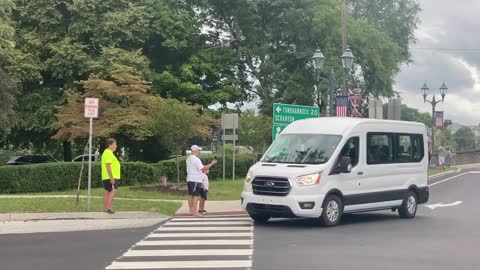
(347, 61)
(443, 91)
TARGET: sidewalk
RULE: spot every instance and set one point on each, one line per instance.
(16, 223)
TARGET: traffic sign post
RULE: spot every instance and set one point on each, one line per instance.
(90, 111)
(229, 121)
(284, 114)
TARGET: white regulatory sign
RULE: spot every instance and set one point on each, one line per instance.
(91, 107)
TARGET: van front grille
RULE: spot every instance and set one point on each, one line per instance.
(271, 186)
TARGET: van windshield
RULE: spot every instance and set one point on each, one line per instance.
(302, 148)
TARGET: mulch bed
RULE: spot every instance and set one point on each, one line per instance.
(170, 189)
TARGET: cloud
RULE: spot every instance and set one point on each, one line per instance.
(447, 50)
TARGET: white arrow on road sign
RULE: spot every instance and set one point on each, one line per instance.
(279, 109)
(433, 206)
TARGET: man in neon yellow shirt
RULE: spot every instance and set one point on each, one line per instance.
(110, 174)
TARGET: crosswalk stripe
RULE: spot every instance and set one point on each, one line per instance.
(177, 265)
(194, 242)
(210, 219)
(210, 223)
(228, 229)
(189, 252)
(198, 234)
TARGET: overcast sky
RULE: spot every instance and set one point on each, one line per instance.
(452, 28)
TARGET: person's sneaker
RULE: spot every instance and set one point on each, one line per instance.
(202, 211)
(110, 211)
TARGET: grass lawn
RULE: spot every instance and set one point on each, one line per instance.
(60, 205)
(218, 191)
(432, 172)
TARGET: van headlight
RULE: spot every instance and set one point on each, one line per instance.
(249, 177)
(308, 180)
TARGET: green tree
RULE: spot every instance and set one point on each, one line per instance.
(412, 114)
(174, 123)
(63, 42)
(255, 131)
(275, 39)
(397, 18)
(465, 139)
(8, 88)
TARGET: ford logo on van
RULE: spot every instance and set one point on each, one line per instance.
(270, 184)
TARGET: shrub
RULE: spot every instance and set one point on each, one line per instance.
(60, 176)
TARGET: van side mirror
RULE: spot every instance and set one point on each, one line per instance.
(259, 157)
(344, 165)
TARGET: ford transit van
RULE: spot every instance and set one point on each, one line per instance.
(324, 167)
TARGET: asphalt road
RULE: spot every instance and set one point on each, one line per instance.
(442, 238)
(89, 250)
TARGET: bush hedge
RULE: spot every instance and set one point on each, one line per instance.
(64, 175)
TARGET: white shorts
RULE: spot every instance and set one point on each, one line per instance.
(441, 160)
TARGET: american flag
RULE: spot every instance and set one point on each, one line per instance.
(439, 119)
(342, 106)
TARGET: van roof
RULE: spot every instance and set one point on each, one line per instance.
(342, 125)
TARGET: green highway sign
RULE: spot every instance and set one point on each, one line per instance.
(286, 113)
(276, 130)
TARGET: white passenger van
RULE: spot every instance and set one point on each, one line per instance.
(324, 167)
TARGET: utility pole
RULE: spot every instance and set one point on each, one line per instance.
(344, 43)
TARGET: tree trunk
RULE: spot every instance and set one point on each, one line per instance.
(67, 151)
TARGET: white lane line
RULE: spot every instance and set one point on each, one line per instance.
(453, 177)
(210, 223)
(189, 252)
(433, 206)
(198, 234)
(197, 229)
(184, 264)
(229, 242)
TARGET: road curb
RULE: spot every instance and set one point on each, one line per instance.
(32, 217)
(433, 177)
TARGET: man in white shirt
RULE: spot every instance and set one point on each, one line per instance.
(195, 176)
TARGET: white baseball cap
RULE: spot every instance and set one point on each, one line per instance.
(195, 148)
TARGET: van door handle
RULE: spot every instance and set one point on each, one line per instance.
(360, 173)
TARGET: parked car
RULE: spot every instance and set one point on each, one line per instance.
(85, 158)
(30, 159)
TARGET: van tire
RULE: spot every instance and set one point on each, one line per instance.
(409, 205)
(332, 211)
(260, 219)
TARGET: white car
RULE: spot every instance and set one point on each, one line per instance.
(85, 158)
(324, 167)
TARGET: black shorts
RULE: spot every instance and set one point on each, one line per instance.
(203, 194)
(194, 188)
(108, 185)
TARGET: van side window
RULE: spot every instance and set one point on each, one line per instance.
(394, 148)
(352, 150)
(380, 148)
(405, 148)
(417, 148)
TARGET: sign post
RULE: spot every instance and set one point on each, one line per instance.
(284, 114)
(229, 121)
(90, 111)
